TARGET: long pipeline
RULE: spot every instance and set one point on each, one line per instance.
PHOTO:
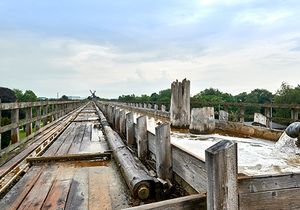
(139, 182)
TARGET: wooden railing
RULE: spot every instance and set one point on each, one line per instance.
(37, 113)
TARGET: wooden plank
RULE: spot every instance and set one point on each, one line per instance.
(70, 157)
(15, 131)
(190, 202)
(277, 199)
(142, 138)
(86, 139)
(60, 140)
(68, 141)
(268, 183)
(28, 128)
(190, 169)
(221, 167)
(75, 146)
(17, 194)
(163, 152)
(35, 198)
(99, 197)
(130, 129)
(57, 196)
(78, 193)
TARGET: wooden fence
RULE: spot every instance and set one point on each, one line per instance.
(217, 177)
(36, 113)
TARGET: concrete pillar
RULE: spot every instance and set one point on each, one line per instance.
(223, 116)
(130, 128)
(155, 106)
(180, 104)
(202, 120)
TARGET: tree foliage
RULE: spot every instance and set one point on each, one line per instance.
(27, 96)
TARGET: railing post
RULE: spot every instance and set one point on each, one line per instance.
(268, 116)
(122, 123)
(221, 167)
(44, 114)
(142, 138)
(28, 116)
(164, 167)
(15, 131)
(294, 114)
(38, 115)
(163, 108)
(129, 128)
(117, 120)
(242, 114)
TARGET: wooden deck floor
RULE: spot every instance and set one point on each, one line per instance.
(72, 185)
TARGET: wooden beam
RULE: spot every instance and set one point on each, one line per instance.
(163, 152)
(190, 202)
(221, 166)
(130, 129)
(38, 115)
(70, 157)
(142, 140)
(28, 116)
(15, 131)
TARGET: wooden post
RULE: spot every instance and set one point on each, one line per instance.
(163, 108)
(142, 137)
(149, 106)
(28, 116)
(117, 120)
(155, 106)
(38, 115)
(112, 116)
(123, 123)
(129, 128)
(163, 152)
(221, 167)
(15, 131)
(268, 116)
(44, 114)
(180, 115)
(294, 114)
(242, 114)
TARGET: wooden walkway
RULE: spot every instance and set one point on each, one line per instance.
(81, 184)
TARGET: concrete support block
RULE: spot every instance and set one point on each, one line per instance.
(203, 120)
(223, 116)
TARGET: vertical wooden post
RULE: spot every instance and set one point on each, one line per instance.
(117, 120)
(221, 167)
(38, 115)
(28, 116)
(242, 114)
(294, 114)
(112, 116)
(180, 104)
(142, 137)
(163, 108)
(15, 131)
(268, 116)
(149, 106)
(44, 114)
(163, 152)
(129, 128)
(155, 107)
(123, 123)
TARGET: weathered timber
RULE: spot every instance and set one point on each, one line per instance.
(180, 104)
(123, 123)
(221, 166)
(38, 116)
(190, 202)
(142, 138)
(202, 120)
(163, 152)
(223, 115)
(139, 182)
(15, 131)
(130, 129)
(28, 127)
(69, 157)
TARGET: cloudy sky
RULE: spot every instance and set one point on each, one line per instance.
(140, 46)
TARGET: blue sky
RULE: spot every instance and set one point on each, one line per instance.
(126, 46)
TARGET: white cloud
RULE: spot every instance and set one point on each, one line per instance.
(262, 17)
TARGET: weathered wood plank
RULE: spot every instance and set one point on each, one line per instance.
(221, 167)
(99, 197)
(277, 199)
(16, 195)
(268, 183)
(191, 202)
(75, 146)
(78, 193)
(142, 138)
(189, 168)
(130, 129)
(35, 198)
